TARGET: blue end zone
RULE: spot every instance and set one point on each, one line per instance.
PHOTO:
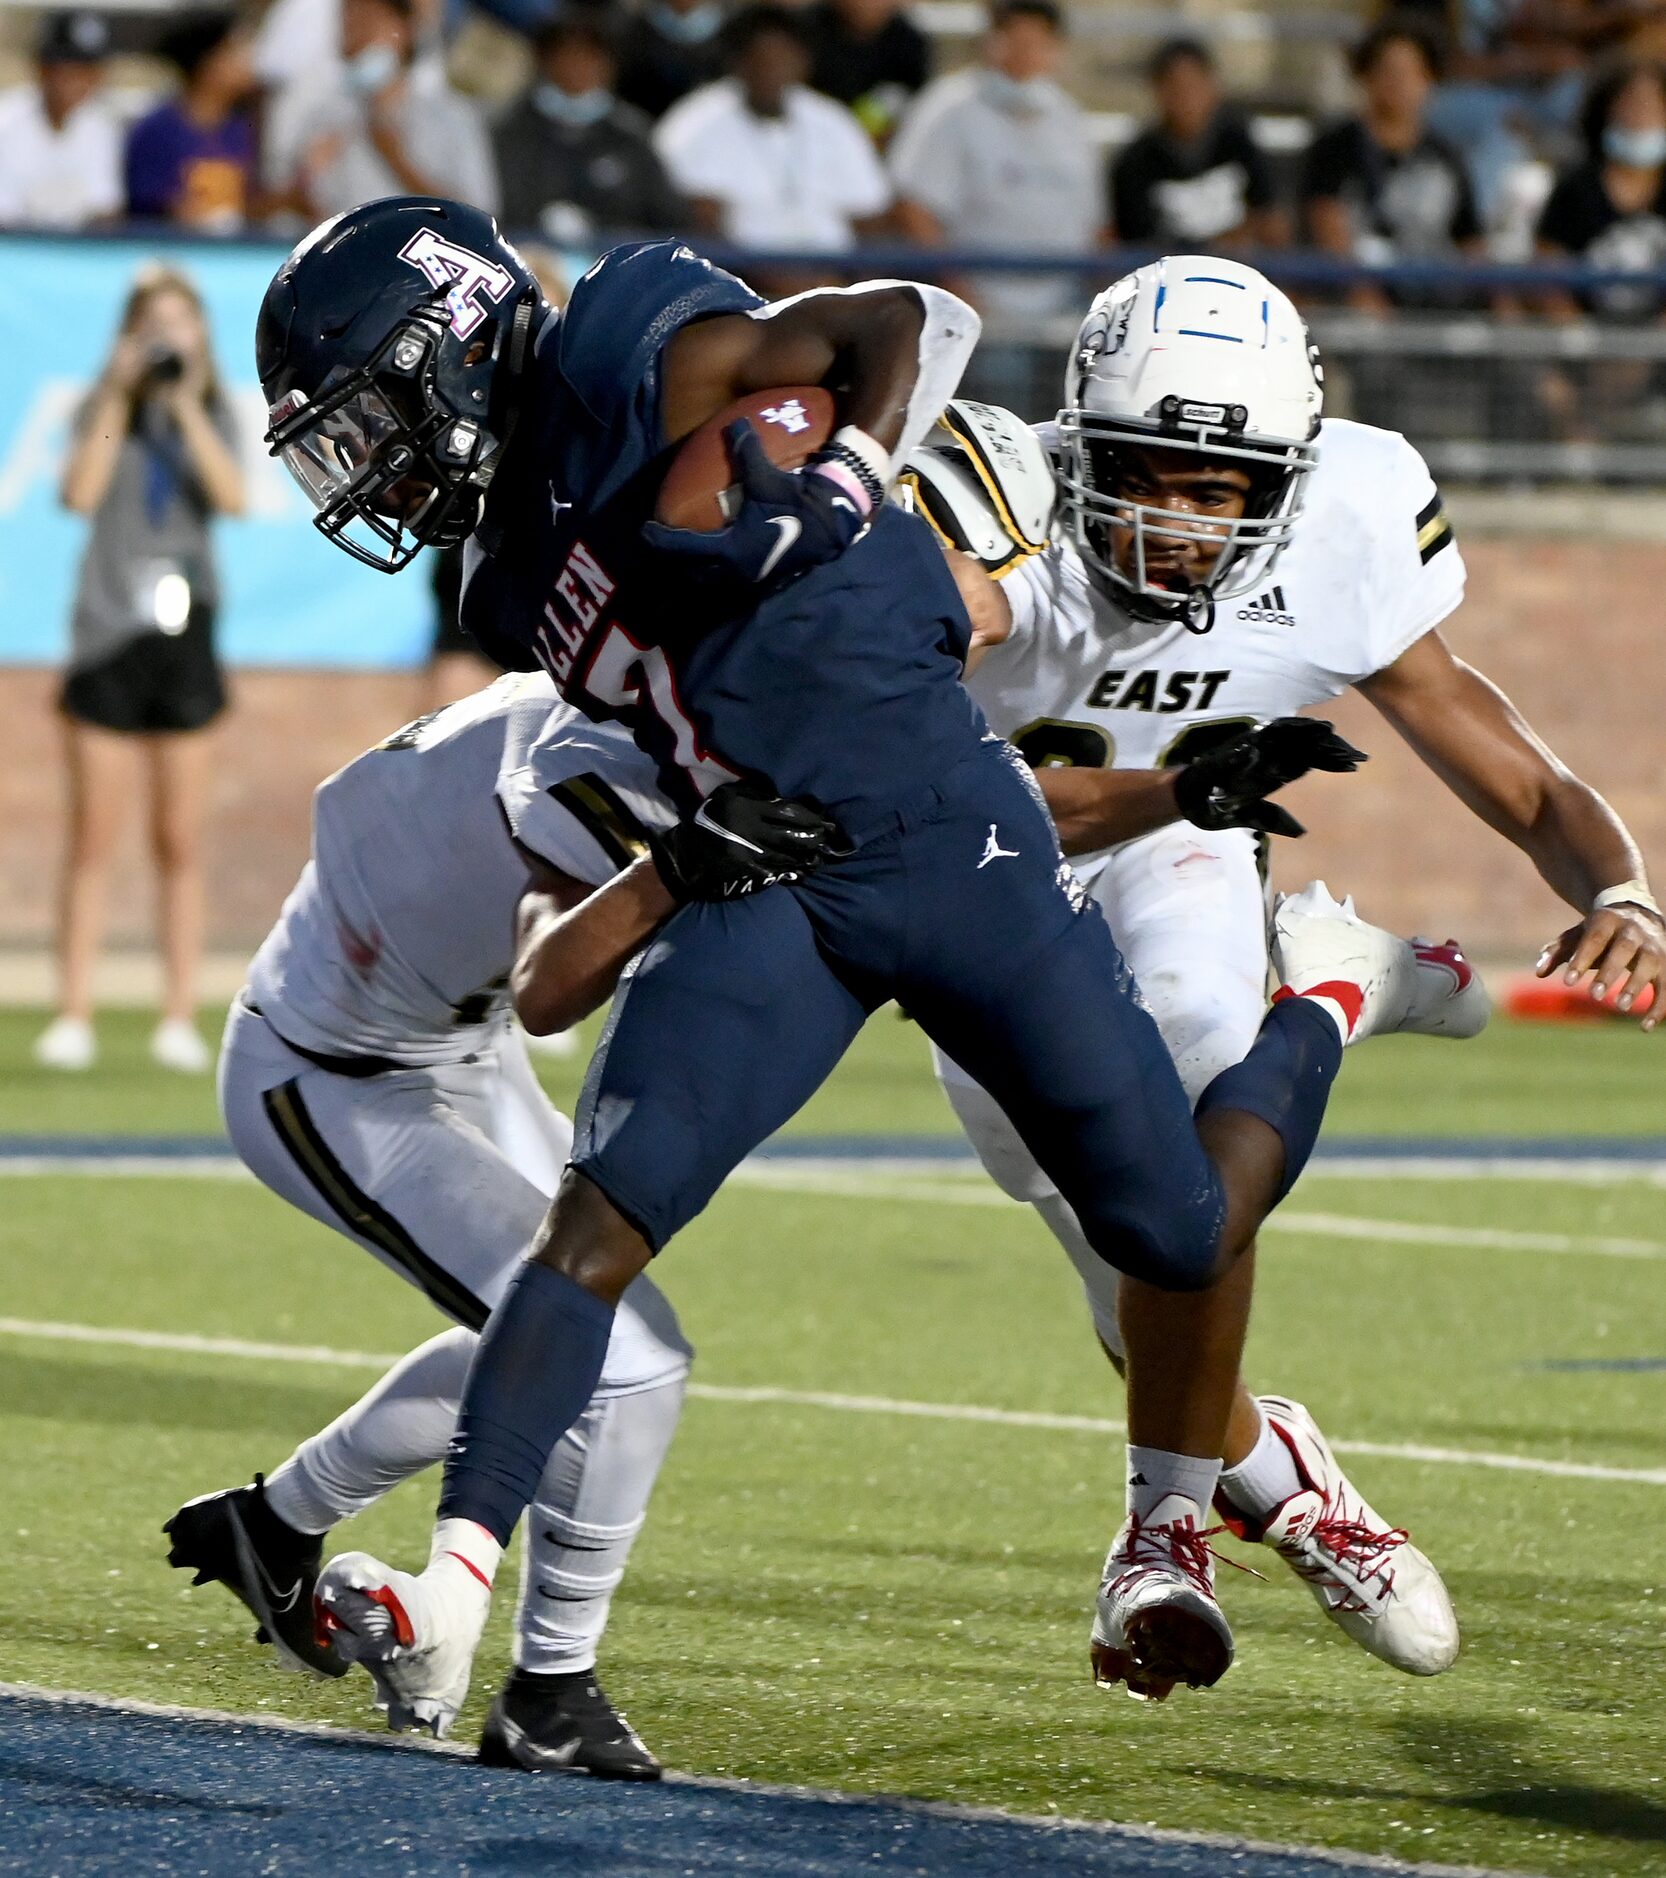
(85, 1788)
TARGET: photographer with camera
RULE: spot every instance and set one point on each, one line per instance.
(153, 462)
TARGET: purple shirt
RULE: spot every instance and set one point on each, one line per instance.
(183, 171)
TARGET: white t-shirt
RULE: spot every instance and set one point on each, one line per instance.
(398, 939)
(57, 178)
(1371, 568)
(796, 181)
(1005, 172)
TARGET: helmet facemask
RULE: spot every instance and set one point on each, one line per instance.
(1120, 538)
(388, 466)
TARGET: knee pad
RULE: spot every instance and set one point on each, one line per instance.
(1162, 1238)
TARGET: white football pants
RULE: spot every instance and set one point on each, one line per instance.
(1189, 912)
(444, 1173)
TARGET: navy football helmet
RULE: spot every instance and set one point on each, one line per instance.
(388, 345)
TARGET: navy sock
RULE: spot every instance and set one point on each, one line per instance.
(1285, 1080)
(538, 1364)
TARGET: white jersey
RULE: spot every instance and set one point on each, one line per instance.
(1371, 568)
(398, 939)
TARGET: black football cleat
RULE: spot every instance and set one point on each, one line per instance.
(235, 1539)
(563, 1724)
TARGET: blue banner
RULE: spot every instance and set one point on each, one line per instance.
(289, 597)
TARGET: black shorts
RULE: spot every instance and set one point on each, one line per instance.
(156, 682)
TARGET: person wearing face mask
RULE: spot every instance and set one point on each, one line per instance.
(1610, 209)
(573, 159)
(764, 160)
(1000, 156)
(670, 47)
(383, 127)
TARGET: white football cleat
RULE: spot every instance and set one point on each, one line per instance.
(1367, 1576)
(1323, 946)
(1157, 1622)
(177, 1044)
(1448, 998)
(66, 1043)
(416, 1635)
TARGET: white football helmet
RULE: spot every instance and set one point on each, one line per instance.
(1193, 352)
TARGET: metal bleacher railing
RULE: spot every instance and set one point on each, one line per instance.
(1467, 363)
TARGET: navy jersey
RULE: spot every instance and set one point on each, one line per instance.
(842, 686)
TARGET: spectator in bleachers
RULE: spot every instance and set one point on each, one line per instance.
(192, 159)
(1000, 156)
(1382, 186)
(379, 128)
(763, 159)
(670, 48)
(1610, 210)
(1195, 179)
(152, 464)
(571, 157)
(870, 55)
(60, 145)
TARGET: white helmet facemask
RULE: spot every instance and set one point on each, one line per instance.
(1200, 354)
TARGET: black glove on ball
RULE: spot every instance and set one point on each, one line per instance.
(741, 838)
(1227, 786)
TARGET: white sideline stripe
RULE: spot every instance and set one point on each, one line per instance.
(935, 1179)
(126, 1166)
(865, 1180)
(936, 1809)
(181, 1343)
(811, 1177)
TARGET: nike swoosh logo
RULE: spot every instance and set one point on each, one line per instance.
(790, 528)
(703, 820)
(282, 1602)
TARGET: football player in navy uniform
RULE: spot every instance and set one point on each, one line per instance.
(800, 665)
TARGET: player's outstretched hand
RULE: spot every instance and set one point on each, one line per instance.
(1625, 946)
(1227, 785)
(741, 838)
(789, 520)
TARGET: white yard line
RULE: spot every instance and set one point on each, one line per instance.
(323, 1357)
(881, 1180)
(937, 1809)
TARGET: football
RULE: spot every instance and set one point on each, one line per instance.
(699, 490)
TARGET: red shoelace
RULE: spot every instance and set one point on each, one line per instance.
(1181, 1543)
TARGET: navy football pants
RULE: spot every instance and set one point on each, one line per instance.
(964, 913)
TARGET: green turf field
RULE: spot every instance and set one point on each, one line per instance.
(870, 1600)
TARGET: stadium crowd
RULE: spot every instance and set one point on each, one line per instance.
(1478, 127)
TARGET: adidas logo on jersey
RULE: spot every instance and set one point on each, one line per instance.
(1269, 610)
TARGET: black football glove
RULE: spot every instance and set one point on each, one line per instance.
(1227, 786)
(741, 838)
(789, 521)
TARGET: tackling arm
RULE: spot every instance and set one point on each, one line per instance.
(1474, 739)
(572, 941)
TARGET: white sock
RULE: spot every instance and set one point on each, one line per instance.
(461, 1545)
(590, 1505)
(399, 1427)
(1153, 1474)
(1265, 1478)
(1331, 1008)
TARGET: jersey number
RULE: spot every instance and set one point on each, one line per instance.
(622, 671)
(1050, 743)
